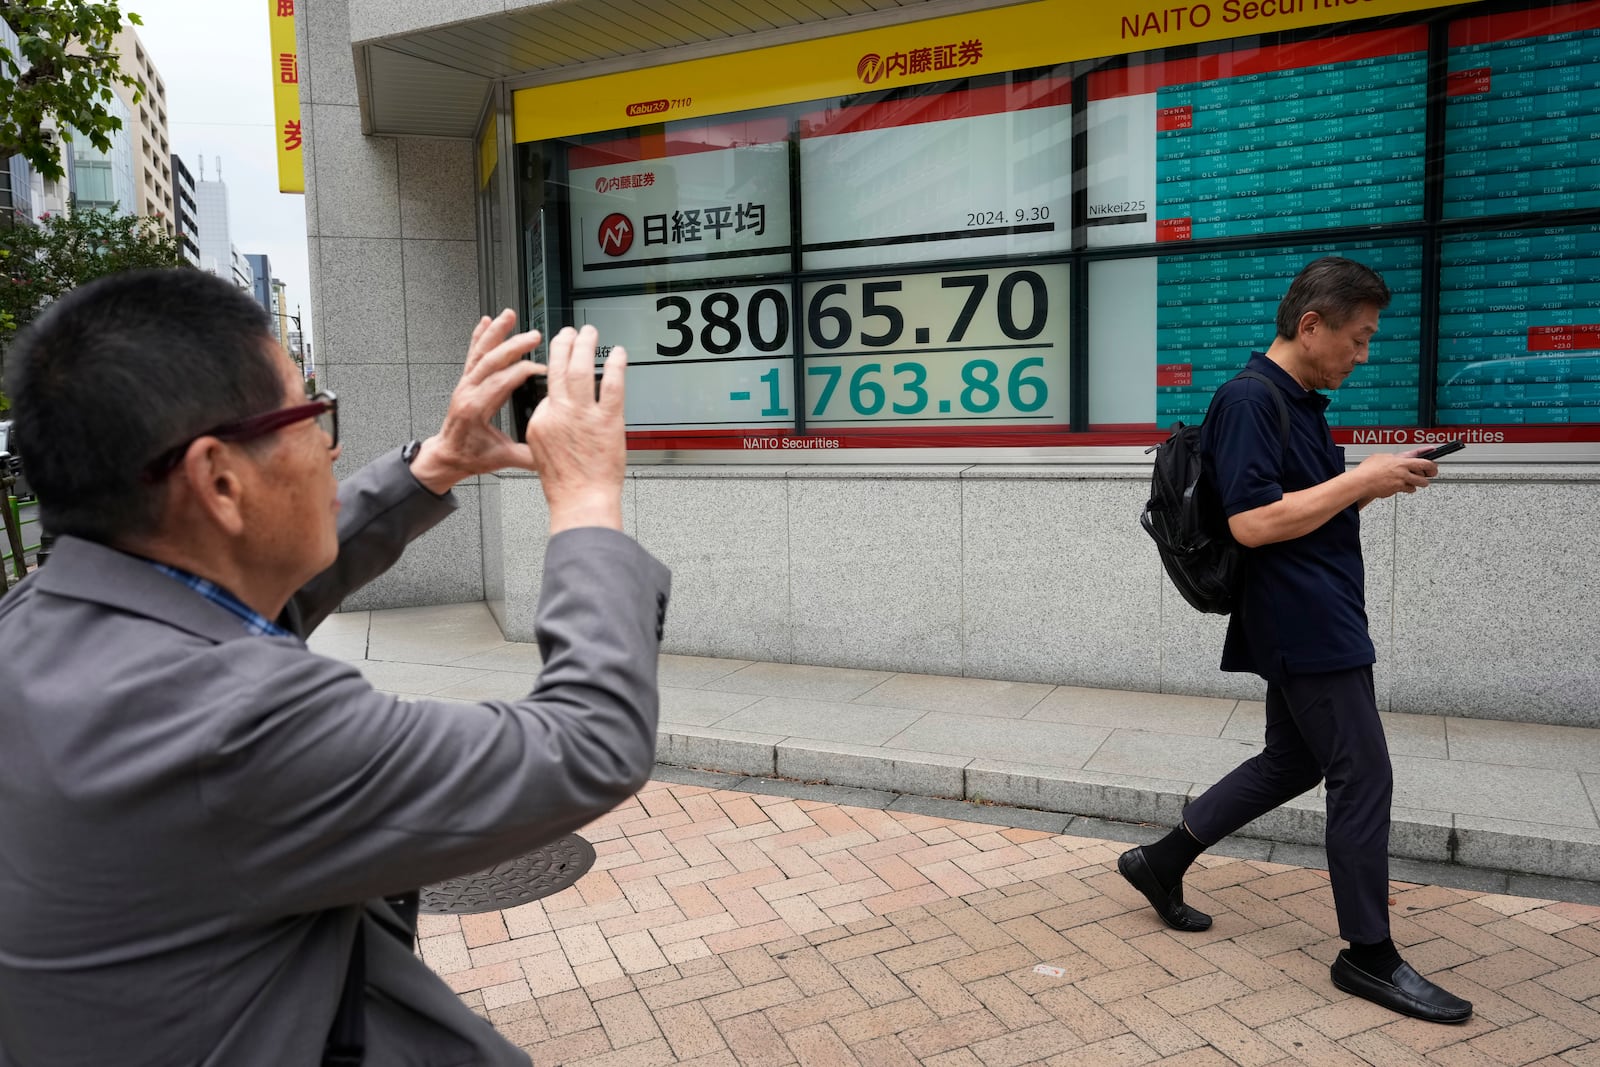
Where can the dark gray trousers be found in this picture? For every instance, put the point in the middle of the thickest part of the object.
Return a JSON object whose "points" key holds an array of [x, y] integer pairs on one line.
{"points": [[1320, 726]]}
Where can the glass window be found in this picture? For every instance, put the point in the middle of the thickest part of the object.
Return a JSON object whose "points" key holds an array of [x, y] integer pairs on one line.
{"points": [[1522, 118], [695, 200], [1519, 327], [744, 309], [983, 171], [1082, 253], [1212, 310], [1302, 136]]}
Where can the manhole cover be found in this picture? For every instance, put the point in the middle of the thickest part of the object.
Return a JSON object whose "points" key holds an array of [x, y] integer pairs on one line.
{"points": [[540, 873]]}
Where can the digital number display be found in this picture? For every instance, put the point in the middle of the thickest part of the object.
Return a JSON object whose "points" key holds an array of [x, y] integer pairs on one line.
{"points": [[1519, 327], [1522, 119], [702, 358], [964, 348], [1291, 137], [956, 348], [1212, 310]]}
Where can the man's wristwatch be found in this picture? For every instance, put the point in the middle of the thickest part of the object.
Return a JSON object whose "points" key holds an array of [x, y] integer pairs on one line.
{"points": [[409, 452]]}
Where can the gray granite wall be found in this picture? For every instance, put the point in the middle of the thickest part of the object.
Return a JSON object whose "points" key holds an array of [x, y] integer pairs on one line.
{"points": [[1482, 592], [394, 279]]}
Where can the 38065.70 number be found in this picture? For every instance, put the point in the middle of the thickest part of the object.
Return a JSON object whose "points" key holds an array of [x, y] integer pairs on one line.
{"points": [[832, 324]]}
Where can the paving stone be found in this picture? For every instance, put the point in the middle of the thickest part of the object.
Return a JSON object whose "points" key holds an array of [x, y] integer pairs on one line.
{"points": [[1125, 1050], [815, 1009], [727, 927], [820, 1047], [627, 1020], [956, 1031], [876, 983], [1527, 1041], [754, 1042], [572, 1047], [1026, 1046], [1238, 1042], [689, 1030], [888, 1051]]}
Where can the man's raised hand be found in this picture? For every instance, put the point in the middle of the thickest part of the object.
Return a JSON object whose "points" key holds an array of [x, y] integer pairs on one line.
{"points": [[469, 442], [578, 441]]}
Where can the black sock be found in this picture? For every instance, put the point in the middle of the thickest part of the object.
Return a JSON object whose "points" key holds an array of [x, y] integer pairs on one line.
{"points": [[1380, 959], [1171, 856]]}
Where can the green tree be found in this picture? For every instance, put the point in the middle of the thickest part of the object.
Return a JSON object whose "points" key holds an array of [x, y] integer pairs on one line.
{"points": [[39, 263], [65, 65]]}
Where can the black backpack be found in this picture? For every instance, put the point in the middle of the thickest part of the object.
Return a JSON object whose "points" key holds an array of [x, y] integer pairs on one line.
{"points": [[1185, 517]]}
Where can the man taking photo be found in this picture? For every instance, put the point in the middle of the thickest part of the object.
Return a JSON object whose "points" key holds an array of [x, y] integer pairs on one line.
{"points": [[199, 818]]}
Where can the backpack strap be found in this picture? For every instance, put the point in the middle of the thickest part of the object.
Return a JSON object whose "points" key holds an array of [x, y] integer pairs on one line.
{"points": [[1277, 398]]}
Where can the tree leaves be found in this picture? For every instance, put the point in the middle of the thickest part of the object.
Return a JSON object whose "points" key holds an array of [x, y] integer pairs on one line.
{"points": [[64, 64], [39, 263]]}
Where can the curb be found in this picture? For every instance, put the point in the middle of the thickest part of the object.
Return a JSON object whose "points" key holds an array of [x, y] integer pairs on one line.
{"points": [[1483, 849]]}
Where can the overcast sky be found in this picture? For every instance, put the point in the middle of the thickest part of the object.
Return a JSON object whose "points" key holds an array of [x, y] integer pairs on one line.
{"points": [[216, 60]]}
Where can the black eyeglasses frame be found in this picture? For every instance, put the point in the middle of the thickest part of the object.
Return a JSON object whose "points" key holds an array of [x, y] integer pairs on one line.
{"points": [[325, 402]]}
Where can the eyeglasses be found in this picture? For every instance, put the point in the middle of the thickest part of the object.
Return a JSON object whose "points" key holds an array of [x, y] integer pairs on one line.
{"points": [[324, 407]]}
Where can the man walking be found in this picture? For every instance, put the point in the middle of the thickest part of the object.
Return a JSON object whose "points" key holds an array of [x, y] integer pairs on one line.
{"points": [[199, 818], [1301, 624]]}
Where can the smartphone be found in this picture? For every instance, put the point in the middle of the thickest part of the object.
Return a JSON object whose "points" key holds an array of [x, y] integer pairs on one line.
{"points": [[527, 397], [539, 387], [1443, 450]]}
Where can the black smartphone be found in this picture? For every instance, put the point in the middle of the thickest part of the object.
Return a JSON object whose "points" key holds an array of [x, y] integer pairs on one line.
{"points": [[527, 397], [539, 387], [1442, 450]]}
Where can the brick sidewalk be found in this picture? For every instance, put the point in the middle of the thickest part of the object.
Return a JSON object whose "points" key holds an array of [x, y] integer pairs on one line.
{"points": [[723, 928]]}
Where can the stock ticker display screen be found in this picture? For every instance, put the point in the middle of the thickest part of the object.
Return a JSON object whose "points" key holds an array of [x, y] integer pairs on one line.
{"points": [[898, 270]]}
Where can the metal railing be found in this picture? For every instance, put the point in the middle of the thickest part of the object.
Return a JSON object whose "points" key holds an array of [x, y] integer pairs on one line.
{"points": [[14, 561]]}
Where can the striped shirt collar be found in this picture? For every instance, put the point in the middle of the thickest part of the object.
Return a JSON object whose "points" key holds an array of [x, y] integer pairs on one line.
{"points": [[255, 624]]}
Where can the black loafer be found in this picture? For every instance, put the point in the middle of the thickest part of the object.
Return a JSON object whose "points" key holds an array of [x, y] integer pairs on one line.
{"points": [[1169, 905], [1407, 992]]}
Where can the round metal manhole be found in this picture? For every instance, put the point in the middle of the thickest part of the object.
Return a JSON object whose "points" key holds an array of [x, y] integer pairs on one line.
{"points": [[541, 873]]}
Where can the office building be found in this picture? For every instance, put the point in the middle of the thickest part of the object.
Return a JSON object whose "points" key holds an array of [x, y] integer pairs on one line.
{"points": [[147, 132], [105, 180], [185, 210], [279, 310], [261, 287], [217, 252], [16, 175]]}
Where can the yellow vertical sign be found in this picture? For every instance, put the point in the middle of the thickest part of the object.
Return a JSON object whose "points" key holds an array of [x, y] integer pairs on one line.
{"points": [[286, 97]]}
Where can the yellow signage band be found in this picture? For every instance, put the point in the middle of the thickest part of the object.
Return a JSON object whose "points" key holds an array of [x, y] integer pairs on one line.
{"points": [[286, 129], [915, 53]]}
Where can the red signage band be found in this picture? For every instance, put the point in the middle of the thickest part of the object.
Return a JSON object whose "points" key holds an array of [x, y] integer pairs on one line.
{"points": [[1515, 25], [765, 439], [659, 144], [1136, 81], [956, 104]]}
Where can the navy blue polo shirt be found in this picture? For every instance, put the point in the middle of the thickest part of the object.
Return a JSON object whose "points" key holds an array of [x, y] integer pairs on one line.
{"points": [[1303, 606]]}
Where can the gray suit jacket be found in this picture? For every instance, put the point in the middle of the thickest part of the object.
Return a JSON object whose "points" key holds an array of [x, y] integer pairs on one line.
{"points": [[191, 818]]}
